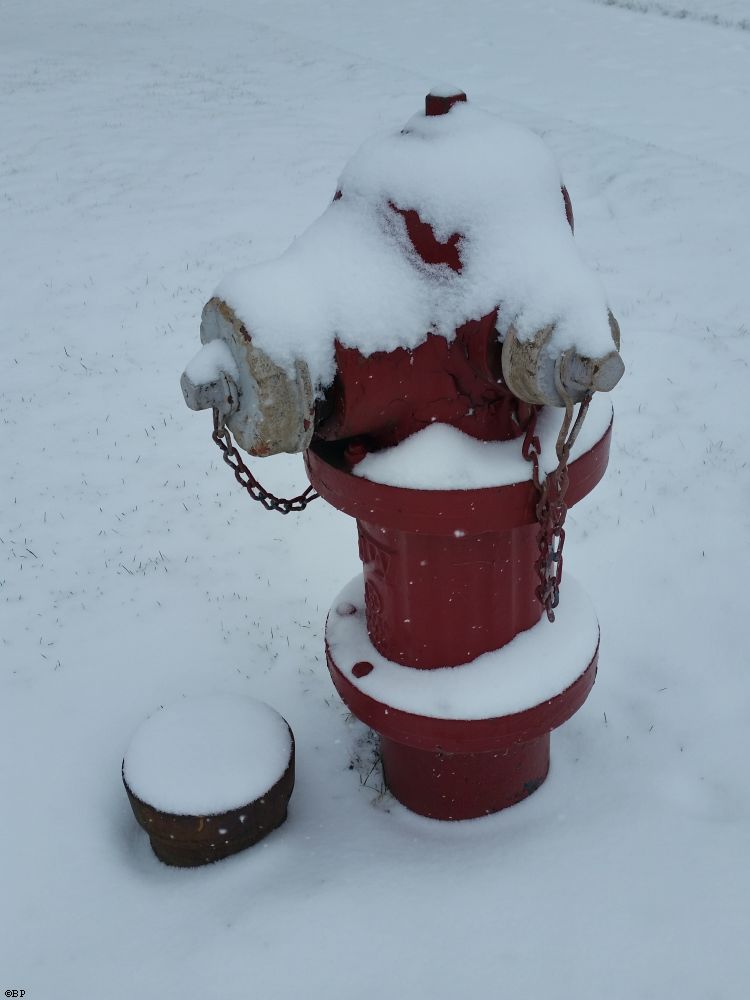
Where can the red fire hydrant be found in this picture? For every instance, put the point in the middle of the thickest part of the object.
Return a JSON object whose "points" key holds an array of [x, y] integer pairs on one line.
{"points": [[443, 647]]}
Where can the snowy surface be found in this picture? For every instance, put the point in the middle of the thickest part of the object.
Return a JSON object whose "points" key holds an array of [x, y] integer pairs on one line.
{"points": [[537, 665], [147, 149], [441, 457], [354, 276], [202, 756]]}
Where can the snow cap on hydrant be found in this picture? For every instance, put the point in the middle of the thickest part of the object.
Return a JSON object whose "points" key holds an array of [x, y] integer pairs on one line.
{"points": [[458, 218], [440, 299]]}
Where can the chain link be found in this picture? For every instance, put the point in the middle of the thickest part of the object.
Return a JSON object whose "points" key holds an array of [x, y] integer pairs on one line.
{"points": [[551, 508], [247, 480]]}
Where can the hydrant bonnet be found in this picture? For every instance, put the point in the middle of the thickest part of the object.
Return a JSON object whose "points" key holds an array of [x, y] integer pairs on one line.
{"points": [[456, 219]]}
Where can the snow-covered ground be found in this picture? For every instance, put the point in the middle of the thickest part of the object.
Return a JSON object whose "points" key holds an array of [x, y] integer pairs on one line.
{"points": [[147, 149]]}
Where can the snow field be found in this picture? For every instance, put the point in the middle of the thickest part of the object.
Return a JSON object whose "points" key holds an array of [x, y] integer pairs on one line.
{"points": [[148, 149]]}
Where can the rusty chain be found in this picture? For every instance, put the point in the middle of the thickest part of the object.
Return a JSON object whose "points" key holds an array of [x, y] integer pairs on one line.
{"points": [[551, 508], [247, 480]]}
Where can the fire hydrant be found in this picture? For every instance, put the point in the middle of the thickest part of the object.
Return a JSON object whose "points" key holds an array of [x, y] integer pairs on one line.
{"points": [[441, 289]]}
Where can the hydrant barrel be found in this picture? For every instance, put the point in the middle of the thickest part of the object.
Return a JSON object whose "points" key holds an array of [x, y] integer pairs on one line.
{"points": [[448, 576], [437, 600]]}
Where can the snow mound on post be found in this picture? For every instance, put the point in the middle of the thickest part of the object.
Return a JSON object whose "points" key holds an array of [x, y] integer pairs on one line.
{"points": [[355, 277], [204, 756]]}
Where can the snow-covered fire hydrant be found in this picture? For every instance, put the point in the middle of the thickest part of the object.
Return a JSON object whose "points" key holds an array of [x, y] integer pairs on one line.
{"points": [[425, 343]]}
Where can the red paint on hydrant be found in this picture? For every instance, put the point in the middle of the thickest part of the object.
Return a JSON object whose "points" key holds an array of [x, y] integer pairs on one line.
{"points": [[449, 574]]}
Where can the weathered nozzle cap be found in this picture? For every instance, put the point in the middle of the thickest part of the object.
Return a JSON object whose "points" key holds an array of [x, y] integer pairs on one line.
{"points": [[268, 409], [536, 374]]}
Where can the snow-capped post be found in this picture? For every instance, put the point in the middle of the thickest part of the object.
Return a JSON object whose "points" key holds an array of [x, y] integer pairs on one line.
{"points": [[209, 777], [426, 342]]}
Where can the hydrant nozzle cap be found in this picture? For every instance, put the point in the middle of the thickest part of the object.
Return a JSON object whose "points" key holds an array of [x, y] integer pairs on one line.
{"points": [[441, 99]]}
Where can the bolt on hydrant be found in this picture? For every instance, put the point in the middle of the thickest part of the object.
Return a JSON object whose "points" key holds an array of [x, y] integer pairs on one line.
{"points": [[432, 344]]}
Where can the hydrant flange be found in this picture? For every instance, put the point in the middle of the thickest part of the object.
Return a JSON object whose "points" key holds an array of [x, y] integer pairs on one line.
{"points": [[461, 768]]}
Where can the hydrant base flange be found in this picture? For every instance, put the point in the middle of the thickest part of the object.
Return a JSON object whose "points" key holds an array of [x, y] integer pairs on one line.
{"points": [[464, 785], [453, 767]]}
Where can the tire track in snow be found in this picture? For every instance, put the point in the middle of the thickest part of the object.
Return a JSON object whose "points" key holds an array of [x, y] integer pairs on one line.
{"points": [[507, 105], [677, 13]]}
